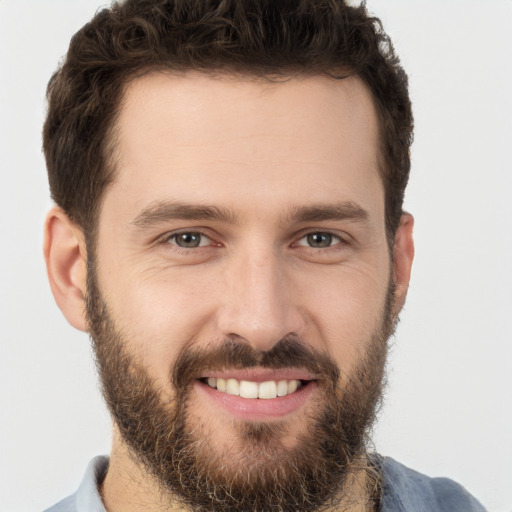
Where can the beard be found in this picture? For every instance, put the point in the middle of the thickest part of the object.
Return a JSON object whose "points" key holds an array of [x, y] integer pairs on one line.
{"points": [[257, 472]]}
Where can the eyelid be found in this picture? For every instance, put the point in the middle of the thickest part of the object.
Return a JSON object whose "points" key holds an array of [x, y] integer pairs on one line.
{"points": [[170, 238], [340, 239]]}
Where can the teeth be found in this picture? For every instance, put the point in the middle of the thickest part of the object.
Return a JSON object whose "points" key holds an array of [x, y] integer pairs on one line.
{"points": [[248, 389], [232, 387], [268, 390], [292, 386], [282, 388], [221, 384]]}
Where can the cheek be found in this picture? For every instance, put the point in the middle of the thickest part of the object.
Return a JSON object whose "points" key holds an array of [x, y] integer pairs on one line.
{"points": [[160, 314], [346, 310]]}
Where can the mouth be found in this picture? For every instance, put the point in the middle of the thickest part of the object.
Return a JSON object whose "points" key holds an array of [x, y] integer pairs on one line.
{"points": [[266, 390], [257, 395]]}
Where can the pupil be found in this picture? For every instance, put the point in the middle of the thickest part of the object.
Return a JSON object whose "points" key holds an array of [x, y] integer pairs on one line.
{"points": [[188, 240], [320, 240]]}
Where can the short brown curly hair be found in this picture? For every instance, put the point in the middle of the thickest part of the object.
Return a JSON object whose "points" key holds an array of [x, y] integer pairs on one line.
{"points": [[264, 38]]}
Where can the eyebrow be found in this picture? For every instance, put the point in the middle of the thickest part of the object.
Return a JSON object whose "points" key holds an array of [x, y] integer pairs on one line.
{"points": [[165, 211], [346, 210]]}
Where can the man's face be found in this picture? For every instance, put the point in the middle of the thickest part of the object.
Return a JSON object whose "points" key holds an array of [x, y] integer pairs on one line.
{"points": [[242, 250]]}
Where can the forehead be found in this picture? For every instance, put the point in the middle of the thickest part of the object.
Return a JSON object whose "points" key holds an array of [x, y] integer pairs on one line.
{"points": [[225, 138]]}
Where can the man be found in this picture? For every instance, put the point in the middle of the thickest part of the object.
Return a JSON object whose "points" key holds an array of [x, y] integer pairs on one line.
{"points": [[229, 179]]}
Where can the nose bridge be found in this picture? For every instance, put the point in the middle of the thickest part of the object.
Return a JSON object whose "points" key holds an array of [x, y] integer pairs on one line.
{"points": [[258, 306]]}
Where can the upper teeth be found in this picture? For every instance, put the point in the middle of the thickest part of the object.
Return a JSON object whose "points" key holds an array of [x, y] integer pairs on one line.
{"points": [[248, 389]]}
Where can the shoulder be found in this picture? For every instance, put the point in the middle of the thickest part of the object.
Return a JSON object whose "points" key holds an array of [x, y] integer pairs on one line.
{"points": [[65, 505], [87, 497], [404, 489]]}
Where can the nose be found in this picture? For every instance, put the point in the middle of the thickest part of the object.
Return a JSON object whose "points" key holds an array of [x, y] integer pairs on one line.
{"points": [[259, 305]]}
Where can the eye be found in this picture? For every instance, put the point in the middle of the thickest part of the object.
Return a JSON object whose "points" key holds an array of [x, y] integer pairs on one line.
{"points": [[189, 239], [319, 240]]}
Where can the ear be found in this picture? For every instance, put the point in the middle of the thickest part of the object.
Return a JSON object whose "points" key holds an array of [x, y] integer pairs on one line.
{"points": [[403, 254], [66, 265]]}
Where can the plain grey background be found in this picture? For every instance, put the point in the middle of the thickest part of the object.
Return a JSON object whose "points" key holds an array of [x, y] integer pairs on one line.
{"points": [[448, 404]]}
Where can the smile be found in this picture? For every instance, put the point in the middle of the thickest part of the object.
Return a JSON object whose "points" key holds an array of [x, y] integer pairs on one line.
{"points": [[249, 389], [257, 394]]}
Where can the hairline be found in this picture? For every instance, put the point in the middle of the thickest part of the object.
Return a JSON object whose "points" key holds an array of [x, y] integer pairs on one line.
{"points": [[110, 147]]}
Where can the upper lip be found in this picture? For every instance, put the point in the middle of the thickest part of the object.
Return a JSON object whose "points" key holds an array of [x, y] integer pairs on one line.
{"points": [[260, 374]]}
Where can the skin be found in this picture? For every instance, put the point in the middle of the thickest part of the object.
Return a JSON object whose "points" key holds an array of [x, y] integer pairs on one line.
{"points": [[260, 152]]}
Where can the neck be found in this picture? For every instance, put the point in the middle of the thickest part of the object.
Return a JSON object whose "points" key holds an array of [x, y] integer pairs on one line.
{"points": [[128, 487]]}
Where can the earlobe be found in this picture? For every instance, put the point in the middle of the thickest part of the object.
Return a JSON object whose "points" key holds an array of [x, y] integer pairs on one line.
{"points": [[66, 265], [403, 255]]}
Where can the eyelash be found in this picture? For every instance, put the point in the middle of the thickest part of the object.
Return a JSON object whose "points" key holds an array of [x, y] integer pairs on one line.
{"points": [[172, 240], [338, 240], [335, 240]]}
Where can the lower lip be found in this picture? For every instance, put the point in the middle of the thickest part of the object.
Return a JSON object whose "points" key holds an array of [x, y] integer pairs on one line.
{"points": [[258, 409]]}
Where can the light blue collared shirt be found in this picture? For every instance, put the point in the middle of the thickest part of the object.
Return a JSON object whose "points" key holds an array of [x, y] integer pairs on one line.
{"points": [[403, 490]]}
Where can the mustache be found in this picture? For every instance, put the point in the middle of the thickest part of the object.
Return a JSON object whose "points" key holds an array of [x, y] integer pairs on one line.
{"points": [[236, 354]]}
